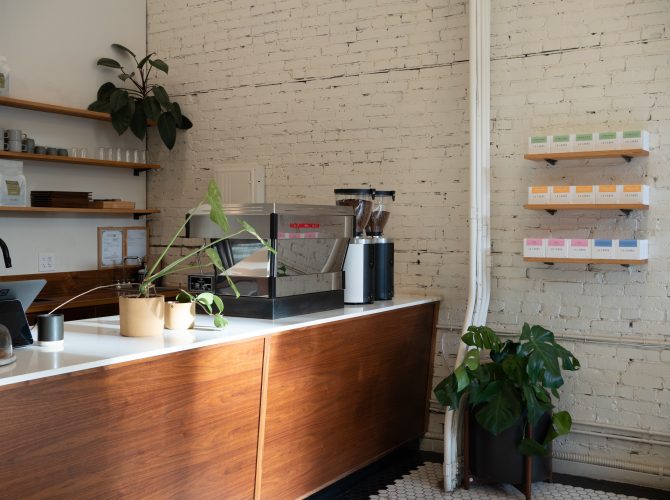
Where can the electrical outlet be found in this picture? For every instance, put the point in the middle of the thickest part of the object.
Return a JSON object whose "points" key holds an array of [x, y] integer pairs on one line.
{"points": [[46, 262]]}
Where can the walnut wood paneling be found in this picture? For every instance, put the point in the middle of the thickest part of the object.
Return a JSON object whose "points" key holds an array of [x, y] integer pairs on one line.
{"points": [[342, 394], [184, 425]]}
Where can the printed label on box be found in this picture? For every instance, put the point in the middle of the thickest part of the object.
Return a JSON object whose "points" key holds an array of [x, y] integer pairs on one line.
{"points": [[607, 140], [635, 139], [561, 194], [556, 248], [561, 143], [607, 194], [579, 249], [585, 195], [584, 142], [538, 195], [534, 247], [634, 193], [632, 249], [539, 144], [603, 249]]}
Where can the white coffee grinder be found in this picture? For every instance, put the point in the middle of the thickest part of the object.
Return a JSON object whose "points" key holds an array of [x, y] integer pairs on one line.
{"points": [[383, 247], [359, 273]]}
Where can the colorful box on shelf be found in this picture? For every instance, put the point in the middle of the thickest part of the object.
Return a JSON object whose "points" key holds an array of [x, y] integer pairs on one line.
{"points": [[607, 194], [538, 195], [634, 193], [632, 249], [557, 248], [603, 249], [608, 140], [579, 249], [534, 247], [584, 142], [561, 195], [635, 139], [584, 195], [539, 144], [562, 143]]}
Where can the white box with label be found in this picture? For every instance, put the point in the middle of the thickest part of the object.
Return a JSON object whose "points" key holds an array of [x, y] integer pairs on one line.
{"points": [[562, 143], [538, 195], [634, 193], [603, 249], [632, 249], [608, 140], [539, 144], [584, 195], [561, 195], [534, 247], [557, 248], [607, 194], [635, 139], [584, 142], [579, 249]]}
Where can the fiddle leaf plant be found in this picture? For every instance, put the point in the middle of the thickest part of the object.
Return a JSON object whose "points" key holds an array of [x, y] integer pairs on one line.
{"points": [[521, 376], [141, 102]]}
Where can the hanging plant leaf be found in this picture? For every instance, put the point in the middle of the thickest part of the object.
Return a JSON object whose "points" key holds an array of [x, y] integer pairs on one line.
{"points": [[176, 111], [532, 448], [158, 64], [185, 123], [105, 91], [118, 46], [138, 123], [118, 99], [101, 106], [161, 96], [152, 109], [109, 63], [144, 60], [167, 129], [121, 119]]}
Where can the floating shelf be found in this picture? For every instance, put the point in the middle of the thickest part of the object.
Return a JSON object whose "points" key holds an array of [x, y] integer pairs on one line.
{"points": [[52, 108], [552, 158], [135, 212], [550, 260], [136, 167], [552, 209]]}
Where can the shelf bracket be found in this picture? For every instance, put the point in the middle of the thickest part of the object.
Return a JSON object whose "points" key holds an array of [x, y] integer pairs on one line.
{"points": [[137, 216], [548, 263], [550, 211], [626, 211], [624, 265], [627, 158], [550, 161], [136, 171]]}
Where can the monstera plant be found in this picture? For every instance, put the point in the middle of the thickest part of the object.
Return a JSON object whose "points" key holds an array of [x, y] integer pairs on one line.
{"points": [[515, 386], [141, 102]]}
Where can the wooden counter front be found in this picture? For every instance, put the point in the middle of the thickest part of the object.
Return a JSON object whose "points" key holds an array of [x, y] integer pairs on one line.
{"points": [[184, 425], [340, 395]]}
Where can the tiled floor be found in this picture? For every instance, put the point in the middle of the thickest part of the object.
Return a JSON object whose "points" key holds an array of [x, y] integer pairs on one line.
{"points": [[426, 483]]}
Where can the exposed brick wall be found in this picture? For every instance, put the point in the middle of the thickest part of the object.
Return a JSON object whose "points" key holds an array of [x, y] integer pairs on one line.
{"points": [[327, 93]]}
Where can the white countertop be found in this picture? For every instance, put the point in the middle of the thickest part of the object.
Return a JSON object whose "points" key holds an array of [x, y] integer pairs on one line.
{"points": [[96, 342]]}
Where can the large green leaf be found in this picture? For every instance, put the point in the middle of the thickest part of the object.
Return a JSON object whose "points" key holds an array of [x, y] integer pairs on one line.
{"points": [[446, 393], [481, 337], [185, 123], [561, 423], [109, 63], [534, 407], [176, 111], [105, 91], [101, 106], [218, 303], [160, 65], [216, 213], [532, 448], [138, 123], [121, 119], [502, 411], [541, 352], [514, 368], [161, 96], [471, 360], [551, 381], [167, 129], [152, 109], [214, 258], [118, 46], [482, 392], [462, 378], [118, 99], [508, 348], [144, 60]]}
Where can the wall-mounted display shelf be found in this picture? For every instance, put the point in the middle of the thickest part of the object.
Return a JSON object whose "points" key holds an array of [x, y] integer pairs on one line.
{"points": [[552, 260], [136, 167], [135, 212], [53, 108], [552, 158], [552, 209]]}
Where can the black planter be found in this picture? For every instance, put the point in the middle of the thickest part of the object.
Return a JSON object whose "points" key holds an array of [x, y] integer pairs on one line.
{"points": [[496, 459]]}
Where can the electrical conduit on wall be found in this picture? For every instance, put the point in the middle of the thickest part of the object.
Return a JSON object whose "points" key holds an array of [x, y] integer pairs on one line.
{"points": [[480, 246]]}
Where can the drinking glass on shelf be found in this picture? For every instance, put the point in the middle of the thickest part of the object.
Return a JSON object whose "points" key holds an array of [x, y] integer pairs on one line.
{"points": [[101, 153], [119, 154], [128, 155], [73, 152], [140, 156], [83, 153], [110, 153]]}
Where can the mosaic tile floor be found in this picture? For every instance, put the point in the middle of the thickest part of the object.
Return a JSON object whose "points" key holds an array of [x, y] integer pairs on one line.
{"points": [[425, 483]]}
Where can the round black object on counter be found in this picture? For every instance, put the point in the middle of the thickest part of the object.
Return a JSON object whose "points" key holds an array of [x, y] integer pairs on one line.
{"points": [[50, 327]]}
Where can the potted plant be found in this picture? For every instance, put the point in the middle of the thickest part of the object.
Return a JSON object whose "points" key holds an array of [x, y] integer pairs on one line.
{"points": [[143, 313], [180, 313], [143, 102], [506, 395]]}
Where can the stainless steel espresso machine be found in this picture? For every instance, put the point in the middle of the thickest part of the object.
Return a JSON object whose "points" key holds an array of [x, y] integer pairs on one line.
{"points": [[305, 273]]}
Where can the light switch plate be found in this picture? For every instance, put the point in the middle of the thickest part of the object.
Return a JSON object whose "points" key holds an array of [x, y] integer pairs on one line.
{"points": [[46, 262]]}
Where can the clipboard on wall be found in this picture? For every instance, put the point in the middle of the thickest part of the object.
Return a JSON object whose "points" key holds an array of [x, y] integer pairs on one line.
{"points": [[116, 243]]}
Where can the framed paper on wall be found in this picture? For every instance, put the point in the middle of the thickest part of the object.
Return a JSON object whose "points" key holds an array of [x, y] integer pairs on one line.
{"points": [[117, 243]]}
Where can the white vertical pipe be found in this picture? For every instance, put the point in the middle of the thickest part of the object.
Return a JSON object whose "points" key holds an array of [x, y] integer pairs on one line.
{"points": [[480, 193]]}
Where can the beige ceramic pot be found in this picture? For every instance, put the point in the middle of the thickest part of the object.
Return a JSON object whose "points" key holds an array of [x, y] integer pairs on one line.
{"points": [[142, 317], [179, 315]]}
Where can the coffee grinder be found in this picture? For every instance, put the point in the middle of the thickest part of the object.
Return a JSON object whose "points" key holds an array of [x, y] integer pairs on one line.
{"points": [[383, 247], [359, 277]]}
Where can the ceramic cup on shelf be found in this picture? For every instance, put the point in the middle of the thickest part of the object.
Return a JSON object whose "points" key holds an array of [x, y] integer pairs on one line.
{"points": [[40, 150], [52, 151], [62, 152], [30, 145], [15, 146], [15, 134]]}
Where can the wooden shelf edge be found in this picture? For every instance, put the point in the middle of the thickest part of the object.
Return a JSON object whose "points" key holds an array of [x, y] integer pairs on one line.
{"points": [[67, 210], [53, 108], [11, 155], [587, 261], [586, 155], [576, 206]]}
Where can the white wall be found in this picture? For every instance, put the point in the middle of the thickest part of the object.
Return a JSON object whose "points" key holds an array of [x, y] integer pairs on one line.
{"points": [[52, 48]]}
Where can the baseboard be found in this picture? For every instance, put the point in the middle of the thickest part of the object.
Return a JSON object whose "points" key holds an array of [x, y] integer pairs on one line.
{"points": [[612, 474]]}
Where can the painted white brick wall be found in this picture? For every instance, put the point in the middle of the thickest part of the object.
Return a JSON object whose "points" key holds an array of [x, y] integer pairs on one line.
{"points": [[329, 94]]}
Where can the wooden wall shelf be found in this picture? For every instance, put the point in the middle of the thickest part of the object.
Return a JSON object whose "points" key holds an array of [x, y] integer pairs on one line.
{"points": [[550, 260], [136, 167], [52, 108], [136, 213], [552, 209], [552, 158]]}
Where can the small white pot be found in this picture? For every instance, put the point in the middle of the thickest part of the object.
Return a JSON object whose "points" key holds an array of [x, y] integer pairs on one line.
{"points": [[179, 315]]}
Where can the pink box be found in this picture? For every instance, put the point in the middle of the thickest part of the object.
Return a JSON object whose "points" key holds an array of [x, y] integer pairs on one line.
{"points": [[557, 248], [534, 247], [579, 249]]}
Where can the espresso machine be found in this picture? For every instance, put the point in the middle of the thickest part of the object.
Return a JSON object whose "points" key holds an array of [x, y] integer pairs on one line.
{"points": [[383, 247], [359, 278], [303, 274]]}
